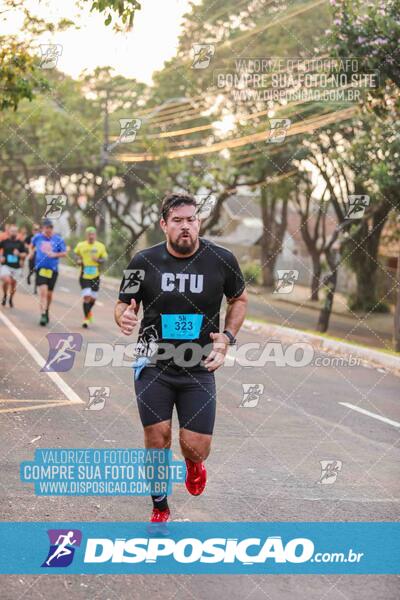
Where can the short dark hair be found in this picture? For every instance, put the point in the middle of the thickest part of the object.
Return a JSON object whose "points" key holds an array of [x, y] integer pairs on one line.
{"points": [[173, 199]]}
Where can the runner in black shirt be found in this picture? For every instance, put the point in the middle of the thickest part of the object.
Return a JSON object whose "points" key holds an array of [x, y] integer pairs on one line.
{"points": [[181, 284], [12, 253], [31, 259]]}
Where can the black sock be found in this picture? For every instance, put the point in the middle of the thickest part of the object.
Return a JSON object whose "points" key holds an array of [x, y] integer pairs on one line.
{"points": [[86, 308], [160, 502]]}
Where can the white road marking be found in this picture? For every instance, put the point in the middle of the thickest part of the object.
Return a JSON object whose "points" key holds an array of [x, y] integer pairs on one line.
{"points": [[36, 406], [64, 289], [99, 303], [2, 400], [371, 414], [72, 396]]}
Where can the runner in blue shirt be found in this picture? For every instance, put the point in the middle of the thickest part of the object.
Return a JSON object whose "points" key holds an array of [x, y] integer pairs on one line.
{"points": [[49, 248]]}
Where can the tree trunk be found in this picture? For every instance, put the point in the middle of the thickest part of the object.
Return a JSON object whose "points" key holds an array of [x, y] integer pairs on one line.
{"points": [[273, 232], [329, 287], [268, 269], [316, 277], [364, 260]]}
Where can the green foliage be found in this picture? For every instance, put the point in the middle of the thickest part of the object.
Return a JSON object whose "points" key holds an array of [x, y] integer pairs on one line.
{"points": [[20, 74], [371, 31], [18, 77], [121, 11], [359, 305], [252, 273]]}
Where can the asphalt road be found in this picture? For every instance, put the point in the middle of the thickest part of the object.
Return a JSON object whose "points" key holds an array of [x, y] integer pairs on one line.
{"points": [[264, 465]]}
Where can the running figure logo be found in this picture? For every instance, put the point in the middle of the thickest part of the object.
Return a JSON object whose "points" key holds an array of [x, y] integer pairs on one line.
{"points": [[203, 54], [357, 206], [286, 280], [251, 394], [97, 397], [54, 205], [63, 543], [147, 342], [132, 280], [329, 471], [62, 349], [278, 130], [205, 205], [50, 54]]}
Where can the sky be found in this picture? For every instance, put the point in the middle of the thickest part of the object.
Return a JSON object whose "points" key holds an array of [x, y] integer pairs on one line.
{"points": [[135, 54]]}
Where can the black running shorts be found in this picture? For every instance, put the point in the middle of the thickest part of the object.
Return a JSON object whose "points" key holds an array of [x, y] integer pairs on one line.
{"points": [[46, 277], [92, 284], [159, 388]]}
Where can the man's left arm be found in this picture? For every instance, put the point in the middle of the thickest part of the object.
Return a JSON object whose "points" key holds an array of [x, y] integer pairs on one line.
{"points": [[61, 250], [236, 297], [102, 256], [236, 313]]}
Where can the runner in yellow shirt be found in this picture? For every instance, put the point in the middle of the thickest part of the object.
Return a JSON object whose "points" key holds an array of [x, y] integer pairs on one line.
{"points": [[90, 255]]}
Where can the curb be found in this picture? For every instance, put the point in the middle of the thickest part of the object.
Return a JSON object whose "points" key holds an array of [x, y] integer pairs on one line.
{"points": [[366, 355], [290, 335]]}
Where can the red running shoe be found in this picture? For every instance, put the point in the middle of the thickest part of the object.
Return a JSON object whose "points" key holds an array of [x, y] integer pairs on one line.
{"points": [[196, 477], [160, 516]]}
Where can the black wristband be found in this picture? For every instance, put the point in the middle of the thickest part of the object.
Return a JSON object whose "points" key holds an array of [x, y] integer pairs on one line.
{"points": [[232, 339]]}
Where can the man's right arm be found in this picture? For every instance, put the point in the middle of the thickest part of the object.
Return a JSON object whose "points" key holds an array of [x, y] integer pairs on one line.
{"points": [[127, 306], [126, 316]]}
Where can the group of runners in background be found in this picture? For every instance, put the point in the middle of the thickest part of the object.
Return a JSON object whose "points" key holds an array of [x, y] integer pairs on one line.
{"points": [[42, 249]]}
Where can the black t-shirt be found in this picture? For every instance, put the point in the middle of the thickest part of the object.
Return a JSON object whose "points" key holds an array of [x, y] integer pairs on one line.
{"points": [[181, 297], [8, 246]]}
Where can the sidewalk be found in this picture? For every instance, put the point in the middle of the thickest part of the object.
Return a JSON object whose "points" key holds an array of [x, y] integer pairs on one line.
{"points": [[299, 311]]}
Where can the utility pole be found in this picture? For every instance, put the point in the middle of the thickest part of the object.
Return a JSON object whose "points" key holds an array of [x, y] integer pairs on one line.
{"points": [[104, 161]]}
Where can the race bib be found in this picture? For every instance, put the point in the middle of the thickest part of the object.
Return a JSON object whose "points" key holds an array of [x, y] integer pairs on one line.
{"points": [[181, 327], [12, 259], [89, 270], [45, 273]]}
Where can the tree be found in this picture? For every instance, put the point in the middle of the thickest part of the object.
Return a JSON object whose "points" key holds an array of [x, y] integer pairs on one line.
{"points": [[313, 214], [20, 74]]}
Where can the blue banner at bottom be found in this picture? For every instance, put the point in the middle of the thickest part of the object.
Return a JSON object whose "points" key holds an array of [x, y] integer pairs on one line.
{"points": [[213, 548]]}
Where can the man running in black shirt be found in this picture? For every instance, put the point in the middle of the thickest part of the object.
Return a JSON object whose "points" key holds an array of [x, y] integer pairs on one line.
{"points": [[181, 284], [31, 259], [12, 253]]}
